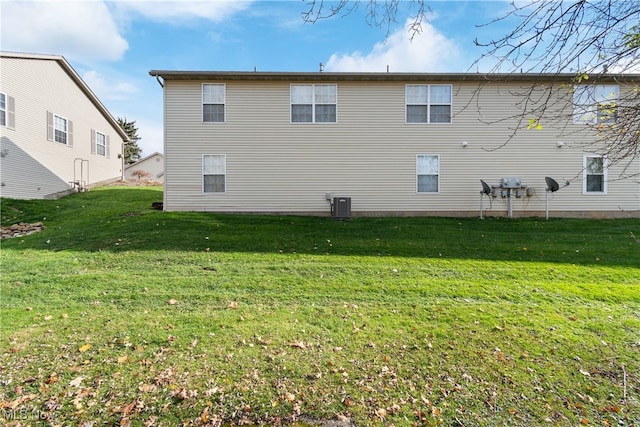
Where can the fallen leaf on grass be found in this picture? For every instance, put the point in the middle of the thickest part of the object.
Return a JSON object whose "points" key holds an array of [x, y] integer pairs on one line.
{"points": [[585, 373], [233, 304], [298, 344], [381, 412], [147, 388], [172, 302], [76, 382], [84, 347]]}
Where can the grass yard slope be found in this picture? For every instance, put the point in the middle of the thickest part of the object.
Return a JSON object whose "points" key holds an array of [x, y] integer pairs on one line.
{"points": [[117, 314]]}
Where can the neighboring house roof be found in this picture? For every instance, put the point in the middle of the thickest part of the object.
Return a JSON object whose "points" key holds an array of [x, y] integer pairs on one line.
{"points": [[76, 79], [347, 76], [144, 159], [156, 169]]}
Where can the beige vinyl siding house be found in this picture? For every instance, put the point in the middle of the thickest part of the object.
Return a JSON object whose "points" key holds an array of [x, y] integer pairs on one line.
{"points": [[395, 144], [58, 136]]}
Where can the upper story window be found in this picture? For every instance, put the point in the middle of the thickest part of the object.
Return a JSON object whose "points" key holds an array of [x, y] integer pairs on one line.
{"points": [[213, 102], [595, 104], [314, 103], [595, 174], [7, 111], [428, 103], [59, 129], [99, 143], [428, 173]]}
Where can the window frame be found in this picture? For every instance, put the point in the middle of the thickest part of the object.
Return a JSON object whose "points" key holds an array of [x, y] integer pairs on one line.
{"points": [[224, 174], [4, 110], [224, 103], [314, 102], [428, 103], [589, 100], [104, 145], [586, 174], [418, 174], [56, 130]]}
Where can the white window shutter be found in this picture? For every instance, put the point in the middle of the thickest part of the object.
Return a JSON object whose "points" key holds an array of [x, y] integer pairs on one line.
{"points": [[49, 126], [106, 148], [11, 112], [93, 141], [69, 133]]}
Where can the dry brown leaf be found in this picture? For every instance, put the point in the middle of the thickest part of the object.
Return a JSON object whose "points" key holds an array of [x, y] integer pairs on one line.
{"points": [[147, 388], [76, 382], [233, 304]]}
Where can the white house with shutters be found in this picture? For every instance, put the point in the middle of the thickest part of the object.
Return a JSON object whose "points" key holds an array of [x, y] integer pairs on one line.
{"points": [[356, 144], [56, 135]]}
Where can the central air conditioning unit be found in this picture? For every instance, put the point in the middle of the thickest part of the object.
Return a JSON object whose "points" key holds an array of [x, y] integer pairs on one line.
{"points": [[341, 207]]}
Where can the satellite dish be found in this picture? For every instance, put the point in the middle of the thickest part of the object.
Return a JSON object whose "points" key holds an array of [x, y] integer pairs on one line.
{"points": [[485, 188], [552, 187], [552, 184]]}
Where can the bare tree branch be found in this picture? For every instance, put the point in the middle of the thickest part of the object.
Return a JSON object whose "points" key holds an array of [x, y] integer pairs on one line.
{"points": [[378, 13], [597, 41]]}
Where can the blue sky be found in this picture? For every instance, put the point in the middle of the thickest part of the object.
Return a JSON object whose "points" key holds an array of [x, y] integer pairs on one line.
{"points": [[114, 44]]}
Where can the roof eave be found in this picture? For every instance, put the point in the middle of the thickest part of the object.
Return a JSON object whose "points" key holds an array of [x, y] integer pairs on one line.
{"points": [[405, 77], [77, 80]]}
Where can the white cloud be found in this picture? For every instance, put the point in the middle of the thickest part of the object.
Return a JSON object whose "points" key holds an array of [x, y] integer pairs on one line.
{"points": [[75, 29], [429, 51], [179, 11], [108, 90]]}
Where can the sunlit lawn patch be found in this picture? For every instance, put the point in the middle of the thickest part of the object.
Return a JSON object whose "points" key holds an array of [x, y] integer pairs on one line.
{"points": [[117, 313]]}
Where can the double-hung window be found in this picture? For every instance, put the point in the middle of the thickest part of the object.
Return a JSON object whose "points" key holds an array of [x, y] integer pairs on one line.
{"points": [[99, 143], [3, 109], [594, 174], [314, 103], [428, 173], [214, 171], [7, 111], [595, 104], [213, 102], [428, 103], [59, 129]]}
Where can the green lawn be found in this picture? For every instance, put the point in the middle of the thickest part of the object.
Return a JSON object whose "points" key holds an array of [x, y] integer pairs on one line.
{"points": [[119, 314]]}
